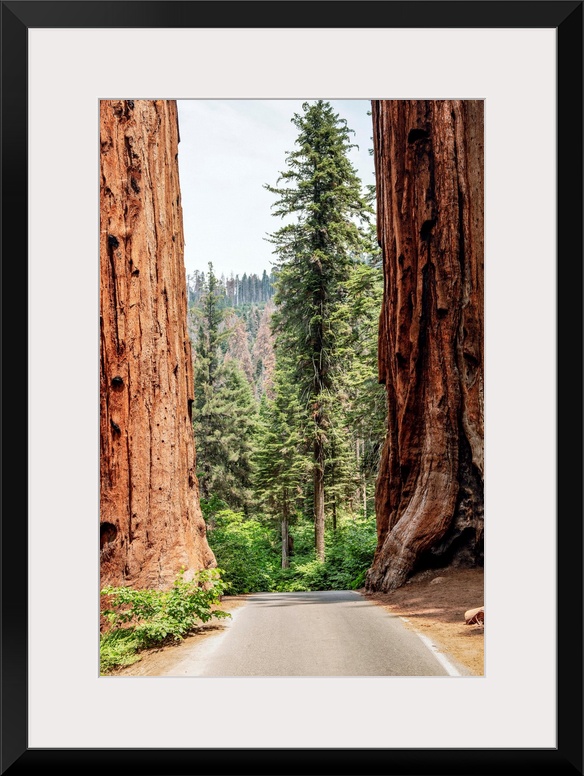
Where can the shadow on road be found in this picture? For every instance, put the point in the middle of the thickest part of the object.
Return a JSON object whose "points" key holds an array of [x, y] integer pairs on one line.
{"points": [[312, 597]]}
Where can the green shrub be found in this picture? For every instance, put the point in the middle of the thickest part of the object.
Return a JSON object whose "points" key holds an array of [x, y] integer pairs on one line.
{"points": [[210, 507], [247, 551], [348, 555], [142, 618], [119, 647]]}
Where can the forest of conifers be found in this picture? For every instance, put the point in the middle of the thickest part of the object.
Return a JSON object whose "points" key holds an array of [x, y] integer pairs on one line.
{"points": [[289, 417]]}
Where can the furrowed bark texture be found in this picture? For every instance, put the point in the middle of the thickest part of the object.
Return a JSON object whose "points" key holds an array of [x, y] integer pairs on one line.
{"points": [[429, 493], [151, 521]]}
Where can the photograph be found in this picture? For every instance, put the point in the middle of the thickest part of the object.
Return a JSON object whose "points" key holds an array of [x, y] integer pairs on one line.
{"points": [[291, 388], [303, 304]]}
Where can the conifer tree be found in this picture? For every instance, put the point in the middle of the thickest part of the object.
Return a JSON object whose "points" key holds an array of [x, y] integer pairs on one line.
{"points": [[224, 414], [362, 404], [230, 438], [280, 466], [322, 199]]}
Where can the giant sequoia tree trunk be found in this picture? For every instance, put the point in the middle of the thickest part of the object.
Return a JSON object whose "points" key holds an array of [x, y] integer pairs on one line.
{"points": [[429, 494], [151, 522]]}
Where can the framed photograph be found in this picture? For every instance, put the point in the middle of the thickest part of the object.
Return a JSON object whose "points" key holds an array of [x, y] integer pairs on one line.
{"points": [[524, 60]]}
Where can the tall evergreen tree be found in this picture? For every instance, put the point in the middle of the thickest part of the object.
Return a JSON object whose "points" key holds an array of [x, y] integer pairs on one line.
{"points": [[322, 197], [280, 465], [362, 407], [206, 363], [224, 414], [230, 440]]}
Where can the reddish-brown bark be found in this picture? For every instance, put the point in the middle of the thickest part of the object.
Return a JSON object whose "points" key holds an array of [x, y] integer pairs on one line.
{"points": [[429, 177], [151, 522]]}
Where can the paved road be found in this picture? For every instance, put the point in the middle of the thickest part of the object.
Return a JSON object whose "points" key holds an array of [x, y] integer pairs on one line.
{"points": [[332, 633]]}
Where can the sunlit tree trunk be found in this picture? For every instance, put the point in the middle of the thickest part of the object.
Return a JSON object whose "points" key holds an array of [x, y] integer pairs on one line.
{"points": [[151, 522]]}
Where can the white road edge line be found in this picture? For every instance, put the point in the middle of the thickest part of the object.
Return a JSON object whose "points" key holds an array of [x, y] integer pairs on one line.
{"points": [[444, 662]]}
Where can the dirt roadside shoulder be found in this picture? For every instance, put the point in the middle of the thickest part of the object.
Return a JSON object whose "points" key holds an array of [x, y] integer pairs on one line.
{"points": [[433, 604], [155, 661]]}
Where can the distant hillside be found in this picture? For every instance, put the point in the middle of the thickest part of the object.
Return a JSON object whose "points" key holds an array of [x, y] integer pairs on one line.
{"points": [[246, 306]]}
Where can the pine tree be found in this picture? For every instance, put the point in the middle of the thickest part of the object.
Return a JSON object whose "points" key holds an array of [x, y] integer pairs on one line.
{"points": [[316, 250], [206, 363], [225, 412], [280, 466], [362, 404], [233, 431]]}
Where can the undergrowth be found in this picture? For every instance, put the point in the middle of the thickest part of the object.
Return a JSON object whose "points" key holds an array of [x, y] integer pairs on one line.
{"points": [[249, 552], [138, 619]]}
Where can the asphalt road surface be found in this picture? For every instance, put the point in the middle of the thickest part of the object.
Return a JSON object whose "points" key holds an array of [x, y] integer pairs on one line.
{"points": [[331, 633]]}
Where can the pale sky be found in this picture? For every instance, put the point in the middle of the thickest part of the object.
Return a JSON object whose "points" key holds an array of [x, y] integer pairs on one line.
{"points": [[228, 149]]}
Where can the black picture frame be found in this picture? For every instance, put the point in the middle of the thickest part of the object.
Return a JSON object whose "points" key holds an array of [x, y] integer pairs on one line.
{"points": [[17, 17]]}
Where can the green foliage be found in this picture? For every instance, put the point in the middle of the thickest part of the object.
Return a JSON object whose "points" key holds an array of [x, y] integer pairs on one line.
{"points": [[234, 291], [248, 551], [349, 553], [224, 412], [317, 251], [142, 618], [362, 400], [281, 464], [307, 440], [210, 506], [118, 648], [225, 436]]}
